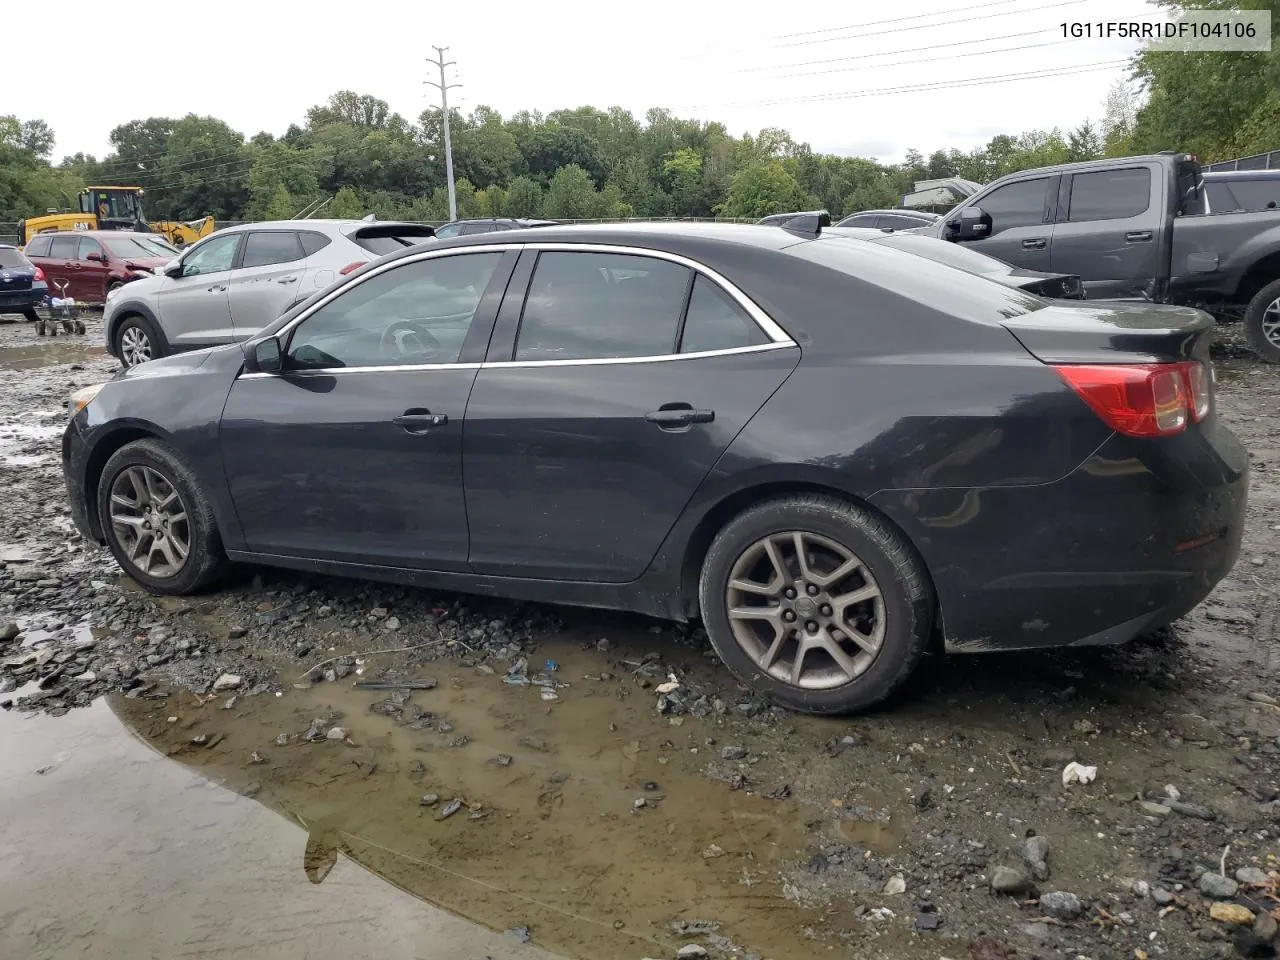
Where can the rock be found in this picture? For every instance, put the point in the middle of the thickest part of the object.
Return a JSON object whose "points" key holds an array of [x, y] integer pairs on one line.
{"points": [[379, 613], [691, 952], [1151, 808], [712, 852], [1217, 886], [1161, 896], [393, 623], [1140, 888], [1252, 876], [1265, 927], [897, 884], [733, 753], [228, 681], [1264, 698], [26, 573], [450, 808], [1009, 880], [237, 633], [9, 632], [1231, 913], [1035, 851], [429, 800], [503, 760], [928, 921], [1061, 905], [336, 733], [1189, 809]]}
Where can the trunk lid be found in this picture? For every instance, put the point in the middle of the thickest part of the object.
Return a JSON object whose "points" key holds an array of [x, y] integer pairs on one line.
{"points": [[1098, 331]]}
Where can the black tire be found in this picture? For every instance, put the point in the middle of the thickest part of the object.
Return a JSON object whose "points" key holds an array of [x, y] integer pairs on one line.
{"points": [[1254, 314], [205, 560], [30, 315], [906, 593], [140, 323]]}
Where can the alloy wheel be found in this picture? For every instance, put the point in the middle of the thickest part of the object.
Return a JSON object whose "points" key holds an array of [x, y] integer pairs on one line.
{"points": [[150, 521], [806, 609], [1271, 322], [135, 346]]}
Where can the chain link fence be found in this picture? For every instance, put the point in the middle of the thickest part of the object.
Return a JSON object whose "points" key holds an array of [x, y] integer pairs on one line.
{"points": [[1259, 161]]}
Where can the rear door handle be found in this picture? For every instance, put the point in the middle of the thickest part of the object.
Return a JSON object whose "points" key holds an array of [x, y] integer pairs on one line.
{"points": [[679, 415], [420, 420], [1036, 244], [1138, 236]]}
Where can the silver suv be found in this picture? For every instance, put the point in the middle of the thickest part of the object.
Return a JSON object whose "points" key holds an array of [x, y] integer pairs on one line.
{"points": [[236, 281]]}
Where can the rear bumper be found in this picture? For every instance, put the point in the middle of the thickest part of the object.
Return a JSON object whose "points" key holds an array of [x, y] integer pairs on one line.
{"points": [[1134, 538], [22, 299]]}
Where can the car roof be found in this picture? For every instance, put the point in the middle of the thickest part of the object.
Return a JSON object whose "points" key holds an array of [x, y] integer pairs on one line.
{"points": [[102, 233], [923, 214], [643, 234]]}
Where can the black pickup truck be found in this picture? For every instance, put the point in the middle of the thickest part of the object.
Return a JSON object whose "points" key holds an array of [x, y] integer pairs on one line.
{"points": [[1132, 228]]}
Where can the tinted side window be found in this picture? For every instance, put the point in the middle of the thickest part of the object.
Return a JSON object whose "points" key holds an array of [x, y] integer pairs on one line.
{"points": [[593, 306], [276, 246], [1253, 195], [473, 228], [64, 247], [448, 230], [1220, 198], [1110, 194], [10, 257], [416, 313], [865, 220], [87, 247], [313, 242], [898, 223], [715, 321], [1016, 204], [212, 256], [38, 247]]}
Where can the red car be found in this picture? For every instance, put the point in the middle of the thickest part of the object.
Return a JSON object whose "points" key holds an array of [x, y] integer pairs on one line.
{"points": [[93, 262]]}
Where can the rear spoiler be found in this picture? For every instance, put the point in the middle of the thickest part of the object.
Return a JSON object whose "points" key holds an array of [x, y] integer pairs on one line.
{"points": [[391, 228]]}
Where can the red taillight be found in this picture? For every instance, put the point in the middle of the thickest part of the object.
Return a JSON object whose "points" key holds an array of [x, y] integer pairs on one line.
{"points": [[355, 265], [39, 275], [1146, 399]]}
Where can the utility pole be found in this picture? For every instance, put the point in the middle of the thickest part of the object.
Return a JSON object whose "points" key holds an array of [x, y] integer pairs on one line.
{"points": [[444, 89]]}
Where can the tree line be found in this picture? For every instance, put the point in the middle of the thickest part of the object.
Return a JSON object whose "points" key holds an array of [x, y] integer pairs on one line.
{"points": [[589, 163]]}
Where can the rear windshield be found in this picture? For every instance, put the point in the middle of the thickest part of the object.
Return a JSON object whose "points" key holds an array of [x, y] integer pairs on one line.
{"points": [[9, 257], [943, 251], [935, 285], [384, 240]]}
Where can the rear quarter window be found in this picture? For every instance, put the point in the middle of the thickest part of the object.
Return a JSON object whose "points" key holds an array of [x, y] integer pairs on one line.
{"points": [[927, 282], [38, 247]]}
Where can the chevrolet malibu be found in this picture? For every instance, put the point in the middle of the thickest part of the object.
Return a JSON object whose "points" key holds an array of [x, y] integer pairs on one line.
{"points": [[833, 453]]}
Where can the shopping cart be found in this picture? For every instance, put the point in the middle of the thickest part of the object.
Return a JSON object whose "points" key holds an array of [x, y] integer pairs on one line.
{"points": [[61, 311]]}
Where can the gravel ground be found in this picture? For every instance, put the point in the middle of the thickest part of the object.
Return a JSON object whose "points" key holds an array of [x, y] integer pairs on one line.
{"points": [[937, 827]]}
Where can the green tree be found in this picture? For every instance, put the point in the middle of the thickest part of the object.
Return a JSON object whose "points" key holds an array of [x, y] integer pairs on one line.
{"points": [[524, 198], [763, 189], [685, 183], [571, 195], [346, 205]]}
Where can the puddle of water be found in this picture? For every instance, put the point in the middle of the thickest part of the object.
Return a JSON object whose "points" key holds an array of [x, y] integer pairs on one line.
{"points": [[48, 353], [551, 838], [113, 851]]}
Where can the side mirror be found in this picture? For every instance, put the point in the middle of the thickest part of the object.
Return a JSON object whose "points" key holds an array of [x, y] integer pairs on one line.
{"points": [[173, 268], [97, 257], [972, 223], [265, 357]]}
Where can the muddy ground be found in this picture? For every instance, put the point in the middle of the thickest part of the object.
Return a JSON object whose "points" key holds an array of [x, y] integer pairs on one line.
{"points": [[520, 768]]}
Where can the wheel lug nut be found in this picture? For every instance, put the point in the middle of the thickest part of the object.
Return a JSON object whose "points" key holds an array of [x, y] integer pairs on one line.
{"points": [[811, 626], [826, 609], [789, 616], [811, 590], [790, 593]]}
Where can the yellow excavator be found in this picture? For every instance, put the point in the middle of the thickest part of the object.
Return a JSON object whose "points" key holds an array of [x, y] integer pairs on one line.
{"points": [[114, 208]]}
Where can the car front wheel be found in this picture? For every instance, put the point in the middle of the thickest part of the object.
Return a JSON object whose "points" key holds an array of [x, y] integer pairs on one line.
{"points": [[136, 341], [157, 522], [817, 603], [1262, 322]]}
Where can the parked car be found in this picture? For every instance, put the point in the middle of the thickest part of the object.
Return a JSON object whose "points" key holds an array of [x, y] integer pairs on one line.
{"points": [[22, 283], [889, 219], [467, 228], [92, 263], [235, 281], [819, 217], [1233, 191], [1128, 228], [831, 452]]}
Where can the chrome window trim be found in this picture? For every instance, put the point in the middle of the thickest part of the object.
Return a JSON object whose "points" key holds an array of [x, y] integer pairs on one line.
{"points": [[777, 336]]}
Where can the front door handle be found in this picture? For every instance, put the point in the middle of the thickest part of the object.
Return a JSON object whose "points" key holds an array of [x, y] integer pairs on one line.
{"points": [[1036, 244], [218, 289], [420, 420], [1138, 236], [671, 415], [287, 280]]}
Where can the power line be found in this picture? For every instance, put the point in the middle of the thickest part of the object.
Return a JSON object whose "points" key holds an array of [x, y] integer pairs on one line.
{"points": [[444, 87], [877, 23], [920, 87]]}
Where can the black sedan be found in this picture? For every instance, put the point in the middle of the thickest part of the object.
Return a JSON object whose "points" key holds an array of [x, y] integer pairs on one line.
{"points": [[831, 451]]}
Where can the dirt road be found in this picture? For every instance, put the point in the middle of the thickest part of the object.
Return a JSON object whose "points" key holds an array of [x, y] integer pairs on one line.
{"points": [[606, 820]]}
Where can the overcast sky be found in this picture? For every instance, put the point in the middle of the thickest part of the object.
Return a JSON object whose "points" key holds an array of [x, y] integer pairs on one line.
{"points": [[830, 72]]}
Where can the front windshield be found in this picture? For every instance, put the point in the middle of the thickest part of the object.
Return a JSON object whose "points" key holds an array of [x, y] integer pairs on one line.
{"points": [[141, 247]]}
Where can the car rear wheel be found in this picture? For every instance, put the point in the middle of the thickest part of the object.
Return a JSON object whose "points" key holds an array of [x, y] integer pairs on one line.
{"points": [[158, 523], [817, 603], [136, 341], [1262, 322]]}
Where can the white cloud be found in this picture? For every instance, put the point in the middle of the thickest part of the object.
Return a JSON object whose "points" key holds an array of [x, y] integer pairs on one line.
{"points": [[259, 65]]}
